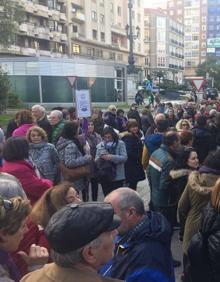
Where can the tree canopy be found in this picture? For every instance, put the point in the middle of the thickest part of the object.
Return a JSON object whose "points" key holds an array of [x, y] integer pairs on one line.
{"points": [[4, 90], [211, 67], [11, 15]]}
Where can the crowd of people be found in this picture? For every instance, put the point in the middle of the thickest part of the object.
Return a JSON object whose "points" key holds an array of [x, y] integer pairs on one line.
{"points": [[51, 163]]}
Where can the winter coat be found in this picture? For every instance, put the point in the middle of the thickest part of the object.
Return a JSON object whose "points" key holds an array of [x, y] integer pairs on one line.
{"points": [[151, 144], [192, 202], [8, 270], [93, 140], [47, 127], [144, 253], [118, 158], [45, 157], [202, 142], [33, 186], [54, 273], [70, 155], [162, 192], [11, 126], [133, 168], [110, 119], [204, 249], [180, 179], [22, 130], [56, 131]]}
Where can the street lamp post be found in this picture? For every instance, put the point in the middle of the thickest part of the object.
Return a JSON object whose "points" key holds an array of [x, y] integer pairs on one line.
{"points": [[131, 37]]}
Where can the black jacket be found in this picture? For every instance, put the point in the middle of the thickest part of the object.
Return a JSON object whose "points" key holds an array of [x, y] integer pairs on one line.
{"points": [[45, 124], [133, 168], [202, 142], [204, 249]]}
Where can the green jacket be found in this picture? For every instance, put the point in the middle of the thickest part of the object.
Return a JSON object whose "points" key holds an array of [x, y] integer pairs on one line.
{"points": [[56, 130]]}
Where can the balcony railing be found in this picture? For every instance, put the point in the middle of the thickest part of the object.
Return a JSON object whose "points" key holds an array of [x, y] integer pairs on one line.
{"points": [[78, 16]]}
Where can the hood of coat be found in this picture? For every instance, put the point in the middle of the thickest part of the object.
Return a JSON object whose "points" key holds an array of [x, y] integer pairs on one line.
{"points": [[62, 143], [152, 227], [153, 142], [202, 183], [179, 173]]}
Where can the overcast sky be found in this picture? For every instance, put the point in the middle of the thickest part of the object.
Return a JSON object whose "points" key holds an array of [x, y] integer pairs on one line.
{"points": [[155, 3]]}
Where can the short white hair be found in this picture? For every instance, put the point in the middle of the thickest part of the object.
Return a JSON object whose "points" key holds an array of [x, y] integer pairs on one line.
{"points": [[57, 113], [39, 107], [10, 187]]}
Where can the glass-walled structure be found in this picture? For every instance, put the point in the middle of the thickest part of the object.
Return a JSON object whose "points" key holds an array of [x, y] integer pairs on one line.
{"points": [[43, 80]]}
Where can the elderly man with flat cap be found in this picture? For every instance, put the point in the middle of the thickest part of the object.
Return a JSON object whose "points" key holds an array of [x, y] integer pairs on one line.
{"points": [[81, 237]]}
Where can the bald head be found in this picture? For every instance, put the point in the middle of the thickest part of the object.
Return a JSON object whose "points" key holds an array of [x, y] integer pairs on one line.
{"points": [[128, 205]]}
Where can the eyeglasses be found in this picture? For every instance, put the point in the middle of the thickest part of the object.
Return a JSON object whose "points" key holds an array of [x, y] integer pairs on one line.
{"points": [[7, 204]]}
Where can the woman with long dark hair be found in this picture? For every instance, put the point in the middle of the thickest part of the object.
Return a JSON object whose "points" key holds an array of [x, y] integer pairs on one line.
{"points": [[71, 154], [113, 151]]}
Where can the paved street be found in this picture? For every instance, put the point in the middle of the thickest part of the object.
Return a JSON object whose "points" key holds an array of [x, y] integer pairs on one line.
{"points": [[143, 189]]}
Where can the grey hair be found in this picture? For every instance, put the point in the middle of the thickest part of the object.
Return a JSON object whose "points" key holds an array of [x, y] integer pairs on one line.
{"points": [[39, 107], [74, 257], [57, 113], [10, 187], [131, 198]]}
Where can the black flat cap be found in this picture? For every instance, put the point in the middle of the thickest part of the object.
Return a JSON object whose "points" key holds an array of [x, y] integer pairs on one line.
{"points": [[76, 225]]}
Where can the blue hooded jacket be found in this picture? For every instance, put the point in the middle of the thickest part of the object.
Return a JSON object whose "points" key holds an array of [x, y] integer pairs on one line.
{"points": [[153, 142], [144, 253]]}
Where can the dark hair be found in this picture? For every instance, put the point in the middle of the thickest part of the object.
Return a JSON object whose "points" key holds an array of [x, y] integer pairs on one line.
{"points": [[201, 121], [110, 130], [70, 130], [15, 149], [170, 137], [72, 110], [132, 123], [185, 137], [162, 125], [213, 160], [184, 156], [119, 111]]}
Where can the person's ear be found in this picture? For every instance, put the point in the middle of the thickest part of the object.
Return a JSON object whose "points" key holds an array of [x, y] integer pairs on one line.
{"points": [[88, 255], [132, 211]]}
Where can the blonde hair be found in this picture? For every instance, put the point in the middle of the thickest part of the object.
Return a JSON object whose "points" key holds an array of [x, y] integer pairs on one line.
{"points": [[215, 196], [39, 130], [12, 217], [51, 201]]}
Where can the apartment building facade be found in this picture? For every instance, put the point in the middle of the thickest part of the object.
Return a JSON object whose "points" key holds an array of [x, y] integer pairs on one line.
{"points": [[94, 29], [193, 13], [43, 31], [98, 29], [213, 28], [164, 45]]}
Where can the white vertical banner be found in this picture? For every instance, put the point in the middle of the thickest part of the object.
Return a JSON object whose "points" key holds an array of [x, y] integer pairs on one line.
{"points": [[83, 103]]}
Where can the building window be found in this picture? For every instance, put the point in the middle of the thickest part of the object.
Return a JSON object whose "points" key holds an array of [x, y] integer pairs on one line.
{"points": [[102, 36], [119, 57], [94, 16], [94, 34], [119, 10], [102, 18], [101, 2], [112, 56], [75, 28], [76, 48], [139, 3], [98, 53]]}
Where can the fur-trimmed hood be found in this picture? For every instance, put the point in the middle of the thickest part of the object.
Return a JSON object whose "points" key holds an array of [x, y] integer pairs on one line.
{"points": [[179, 173], [202, 183]]}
